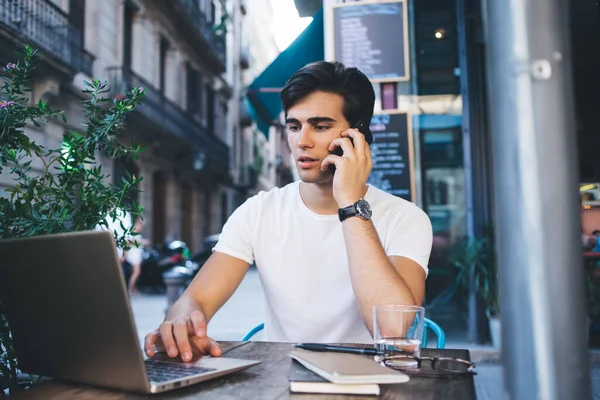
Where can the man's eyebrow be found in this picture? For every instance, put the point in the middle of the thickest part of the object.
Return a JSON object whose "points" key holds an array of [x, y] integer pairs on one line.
{"points": [[313, 120], [316, 120]]}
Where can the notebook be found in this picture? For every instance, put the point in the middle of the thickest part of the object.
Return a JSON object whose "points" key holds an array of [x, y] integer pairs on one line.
{"points": [[302, 380], [343, 368]]}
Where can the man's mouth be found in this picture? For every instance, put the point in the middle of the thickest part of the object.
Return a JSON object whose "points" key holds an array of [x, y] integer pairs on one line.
{"points": [[306, 162]]}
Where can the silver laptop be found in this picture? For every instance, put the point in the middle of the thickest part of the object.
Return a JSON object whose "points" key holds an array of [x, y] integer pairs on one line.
{"points": [[68, 308]]}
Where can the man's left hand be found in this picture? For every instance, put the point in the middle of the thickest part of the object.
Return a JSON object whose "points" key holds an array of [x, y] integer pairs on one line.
{"points": [[352, 168]]}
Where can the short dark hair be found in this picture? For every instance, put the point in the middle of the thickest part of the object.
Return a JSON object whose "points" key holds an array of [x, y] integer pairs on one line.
{"points": [[333, 77]]}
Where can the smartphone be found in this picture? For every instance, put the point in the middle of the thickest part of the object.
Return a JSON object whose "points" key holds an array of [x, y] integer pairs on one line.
{"points": [[338, 150]]}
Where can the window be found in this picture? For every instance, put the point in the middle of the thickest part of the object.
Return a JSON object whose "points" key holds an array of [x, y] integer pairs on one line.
{"points": [[194, 91], [164, 50]]}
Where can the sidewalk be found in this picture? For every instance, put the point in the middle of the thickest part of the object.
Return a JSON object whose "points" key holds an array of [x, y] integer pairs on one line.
{"points": [[490, 370], [241, 313]]}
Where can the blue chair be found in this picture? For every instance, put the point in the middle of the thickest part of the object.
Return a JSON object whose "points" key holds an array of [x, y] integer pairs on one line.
{"points": [[435, 328], [427, 325], [253, 332]]}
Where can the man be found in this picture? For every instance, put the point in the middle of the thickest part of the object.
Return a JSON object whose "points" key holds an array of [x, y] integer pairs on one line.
{"points": [[321, 275]]}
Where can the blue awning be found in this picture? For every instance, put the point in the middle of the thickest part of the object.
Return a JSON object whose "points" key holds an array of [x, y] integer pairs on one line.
{"points": [[263, 93]]}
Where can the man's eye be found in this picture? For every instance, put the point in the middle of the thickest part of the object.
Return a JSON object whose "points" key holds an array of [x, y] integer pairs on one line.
{"points": [[293, 128], [321, 128]]}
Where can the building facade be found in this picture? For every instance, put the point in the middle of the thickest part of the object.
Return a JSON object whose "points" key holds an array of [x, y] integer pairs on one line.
{"points": [[190, 58], [271, 166], [260, 163]]}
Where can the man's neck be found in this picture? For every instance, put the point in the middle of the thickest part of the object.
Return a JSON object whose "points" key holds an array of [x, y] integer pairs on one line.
{"points": [[318, 198]]}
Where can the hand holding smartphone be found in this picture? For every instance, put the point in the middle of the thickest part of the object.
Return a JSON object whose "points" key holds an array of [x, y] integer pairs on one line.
{"points": [[338, 150]]}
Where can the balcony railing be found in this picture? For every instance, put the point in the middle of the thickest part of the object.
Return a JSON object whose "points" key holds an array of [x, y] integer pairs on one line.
{"points": [[157, 108], [48, 28], [216, 42]]}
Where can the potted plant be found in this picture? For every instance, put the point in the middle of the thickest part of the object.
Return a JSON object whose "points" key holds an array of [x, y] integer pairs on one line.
{"points": [[72, 192], [477, 258]]}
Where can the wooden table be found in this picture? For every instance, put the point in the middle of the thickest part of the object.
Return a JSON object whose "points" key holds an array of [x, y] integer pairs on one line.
{"points": [[268, 380]]}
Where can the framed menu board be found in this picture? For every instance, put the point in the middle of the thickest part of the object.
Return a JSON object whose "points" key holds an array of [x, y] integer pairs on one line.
{"points": [[373, 37], [392, 153]]}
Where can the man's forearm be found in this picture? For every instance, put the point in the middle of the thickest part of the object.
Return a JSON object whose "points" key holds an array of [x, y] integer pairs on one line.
{"points": [[374, 278]]}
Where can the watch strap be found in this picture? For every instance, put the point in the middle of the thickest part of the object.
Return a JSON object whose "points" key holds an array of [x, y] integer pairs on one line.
{"points": [[347, 212]]}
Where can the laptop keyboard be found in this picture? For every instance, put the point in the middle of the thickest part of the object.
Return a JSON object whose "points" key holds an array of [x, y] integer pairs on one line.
{"points": [[159, 371]]}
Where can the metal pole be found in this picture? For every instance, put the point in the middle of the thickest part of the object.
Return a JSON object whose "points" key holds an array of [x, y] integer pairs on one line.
{"points": [[542, 291], [473, 331]]}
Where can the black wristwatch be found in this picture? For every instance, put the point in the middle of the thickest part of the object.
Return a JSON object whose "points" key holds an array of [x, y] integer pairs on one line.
{"points": [[360, 209]]}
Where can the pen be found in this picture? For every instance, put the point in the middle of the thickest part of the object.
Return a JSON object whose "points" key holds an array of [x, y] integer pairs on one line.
{"points": [[338, 349]]}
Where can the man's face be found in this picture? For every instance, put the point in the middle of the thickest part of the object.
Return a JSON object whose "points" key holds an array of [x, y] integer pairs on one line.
{"points": [[312, 124]]}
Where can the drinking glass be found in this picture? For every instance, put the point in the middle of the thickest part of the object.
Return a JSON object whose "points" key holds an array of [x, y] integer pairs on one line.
{"points": [[397, 331]]}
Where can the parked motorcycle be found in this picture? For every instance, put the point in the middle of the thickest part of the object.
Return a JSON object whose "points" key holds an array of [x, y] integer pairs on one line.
{"points": [[160, 259], [208, 244]]}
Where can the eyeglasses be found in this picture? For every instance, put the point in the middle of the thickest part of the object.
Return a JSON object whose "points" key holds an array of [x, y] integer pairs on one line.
{"points": [[429, 366]]}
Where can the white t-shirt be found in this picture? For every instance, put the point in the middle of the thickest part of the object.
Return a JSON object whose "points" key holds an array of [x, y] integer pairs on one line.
{"points": [[114, 225], [135, 254], [302, 262]]}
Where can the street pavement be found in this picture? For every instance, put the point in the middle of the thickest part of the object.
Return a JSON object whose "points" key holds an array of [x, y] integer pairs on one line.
{"points": [[245, 310]]}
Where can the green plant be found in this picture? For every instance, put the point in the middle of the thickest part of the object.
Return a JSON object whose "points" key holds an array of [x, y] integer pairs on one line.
{"points": [[67, 191], [221, 28], [477, 258]]}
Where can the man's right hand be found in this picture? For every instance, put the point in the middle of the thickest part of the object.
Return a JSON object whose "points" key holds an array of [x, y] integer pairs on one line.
{"points": [[182, 336]]}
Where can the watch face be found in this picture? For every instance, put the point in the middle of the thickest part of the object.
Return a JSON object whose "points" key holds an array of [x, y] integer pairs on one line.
{"points": [[363, 209]]}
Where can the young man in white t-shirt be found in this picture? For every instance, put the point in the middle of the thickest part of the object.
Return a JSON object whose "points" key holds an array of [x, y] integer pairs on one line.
{"points": [[327, 248]]}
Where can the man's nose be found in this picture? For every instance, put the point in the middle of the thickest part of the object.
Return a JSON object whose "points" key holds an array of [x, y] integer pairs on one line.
{"points": [[305, 139]]}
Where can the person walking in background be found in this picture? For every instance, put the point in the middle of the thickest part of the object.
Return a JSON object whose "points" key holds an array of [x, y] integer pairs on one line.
{"points": [[118, 226], [134, 255]]}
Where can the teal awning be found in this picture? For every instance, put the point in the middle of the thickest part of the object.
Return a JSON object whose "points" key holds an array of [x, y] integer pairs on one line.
{"points": [[263, 93]]}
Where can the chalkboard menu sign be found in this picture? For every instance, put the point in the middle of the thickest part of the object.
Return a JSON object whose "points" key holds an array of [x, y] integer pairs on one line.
{"points": [[372, 37], [392, 155]]}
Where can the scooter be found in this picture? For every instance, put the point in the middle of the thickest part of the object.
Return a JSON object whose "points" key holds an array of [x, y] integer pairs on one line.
{"points": [[160, 259]]}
